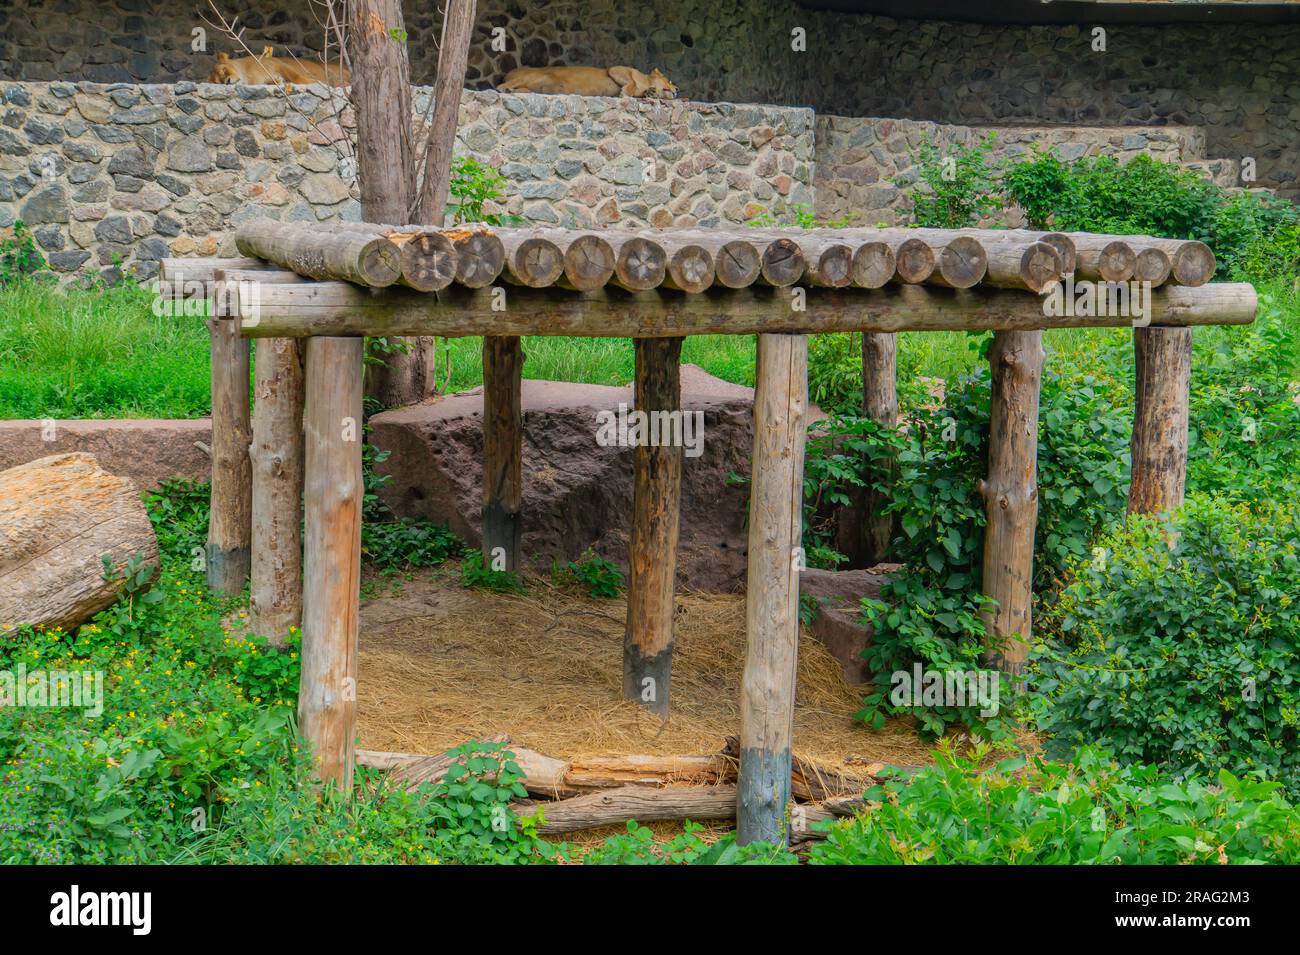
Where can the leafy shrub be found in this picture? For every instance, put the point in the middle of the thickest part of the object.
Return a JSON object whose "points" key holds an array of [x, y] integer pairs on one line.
{"points": [[473, 573], [1092, 812], [396, 545], [930, 612], [1040, 185], [472, 186], [19, 256], [1255, 235], [960, 188], [596, 575], [178, 510], [1244, 417], [471, 809], [1183, 644], [638, 847]]}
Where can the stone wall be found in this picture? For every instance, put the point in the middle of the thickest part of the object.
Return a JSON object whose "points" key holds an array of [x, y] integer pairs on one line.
{"points": [[864, 165], [1239, 81], [117, 177]]}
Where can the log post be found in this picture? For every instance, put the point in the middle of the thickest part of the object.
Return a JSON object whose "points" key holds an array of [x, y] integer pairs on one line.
{"points": [[327, 695], [772, 594], [1164, 367], [277, 463], [503, 436], [652, 559], [230, 521], [879, 404], [1011, 494]]}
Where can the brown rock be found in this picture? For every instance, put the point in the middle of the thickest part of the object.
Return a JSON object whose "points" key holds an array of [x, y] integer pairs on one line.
{"points": [[145, 450], [60, 517], [839, 594], [577, 494]]}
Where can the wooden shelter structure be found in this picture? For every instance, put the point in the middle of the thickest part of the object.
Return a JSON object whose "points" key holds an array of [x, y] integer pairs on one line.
{"points": [[309, 297]]}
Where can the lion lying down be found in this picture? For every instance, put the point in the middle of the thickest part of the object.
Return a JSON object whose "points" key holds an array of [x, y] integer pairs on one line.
{"points": [[269, 69], [589, 81]]}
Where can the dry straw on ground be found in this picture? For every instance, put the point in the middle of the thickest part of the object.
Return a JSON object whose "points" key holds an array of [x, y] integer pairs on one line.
{"points": [[440, 664]]}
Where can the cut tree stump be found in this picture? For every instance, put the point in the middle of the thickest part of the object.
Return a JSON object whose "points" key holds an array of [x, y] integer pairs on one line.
{"points": [[59, 516]]}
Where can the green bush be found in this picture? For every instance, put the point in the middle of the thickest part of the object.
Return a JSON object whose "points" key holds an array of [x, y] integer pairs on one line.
{"points": [[1255, 235], [1182, 644], [959, 185], [20, 259], [597, 576], [1089, 813], [930, 612]]}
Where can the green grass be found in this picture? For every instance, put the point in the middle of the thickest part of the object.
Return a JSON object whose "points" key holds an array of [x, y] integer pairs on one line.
{"points": [[98, 353], [102, 353]]}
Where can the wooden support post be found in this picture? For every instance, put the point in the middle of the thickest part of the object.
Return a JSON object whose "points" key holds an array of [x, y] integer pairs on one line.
{"points": [[230, 520], [1164, 368], [327, 695], [1011, 494], [503, 438], [879, 404], [652, 558], [772, 595], [277, 464]]}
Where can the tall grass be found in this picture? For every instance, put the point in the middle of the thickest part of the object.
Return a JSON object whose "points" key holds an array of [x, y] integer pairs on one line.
{"points": [[98, 353], [94, 353]]}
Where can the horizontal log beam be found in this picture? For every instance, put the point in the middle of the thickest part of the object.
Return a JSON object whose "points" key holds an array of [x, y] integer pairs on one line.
{"points": [[341, 309]]}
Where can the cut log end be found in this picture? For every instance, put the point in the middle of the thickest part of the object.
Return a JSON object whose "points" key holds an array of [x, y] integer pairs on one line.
{"points": [[873, 264], [783, 262], [640, 264], [737, 265], [480, 258], [1040, 267], [1152, 265], [588, 263], [1193, 264], [690, 269], [962, 263], [914, 261]]}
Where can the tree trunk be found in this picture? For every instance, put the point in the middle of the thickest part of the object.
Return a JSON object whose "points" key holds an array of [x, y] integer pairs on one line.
{"points": [[381, 96], [503, 437], [772, 593], [327, 694], [879, 404], [277, 460], [230, 520], [59, 517], [652, 540], [1164, 368], [1011, 494], [453, 56]]}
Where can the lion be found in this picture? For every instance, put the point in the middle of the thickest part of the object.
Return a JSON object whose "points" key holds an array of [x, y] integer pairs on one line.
{"points": [[268, 69], [589, 81]]}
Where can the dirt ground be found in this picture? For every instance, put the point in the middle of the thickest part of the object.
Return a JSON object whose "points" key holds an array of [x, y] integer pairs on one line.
{"points": [[440, 664]]}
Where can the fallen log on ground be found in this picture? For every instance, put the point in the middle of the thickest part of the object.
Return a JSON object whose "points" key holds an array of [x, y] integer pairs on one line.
{"points": [[609, 807], [60, 516]]}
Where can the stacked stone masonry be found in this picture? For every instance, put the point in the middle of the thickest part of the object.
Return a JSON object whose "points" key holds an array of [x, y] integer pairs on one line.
{"points": [[112, 178], [1240, 82]]}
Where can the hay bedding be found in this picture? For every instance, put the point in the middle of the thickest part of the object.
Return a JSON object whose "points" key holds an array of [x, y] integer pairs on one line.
{"points": [[440, 665]]}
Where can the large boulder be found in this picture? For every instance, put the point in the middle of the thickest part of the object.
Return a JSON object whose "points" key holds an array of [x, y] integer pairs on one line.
{"points": [[577, 493], [60, 516]]}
